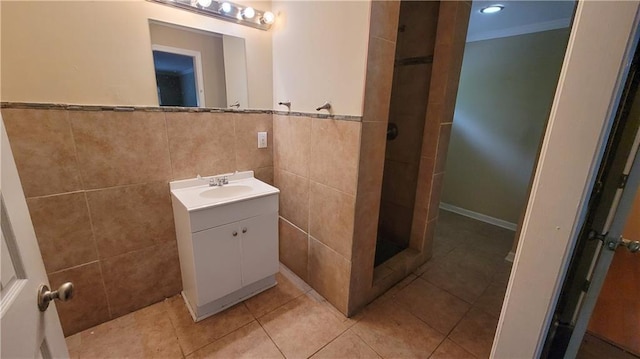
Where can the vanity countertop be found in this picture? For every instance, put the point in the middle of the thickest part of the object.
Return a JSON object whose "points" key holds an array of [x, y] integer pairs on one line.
{"points": [[196, 194]]}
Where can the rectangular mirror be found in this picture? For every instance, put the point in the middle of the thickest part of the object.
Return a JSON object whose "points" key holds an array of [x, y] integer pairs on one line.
{"points": [[195, 68]]}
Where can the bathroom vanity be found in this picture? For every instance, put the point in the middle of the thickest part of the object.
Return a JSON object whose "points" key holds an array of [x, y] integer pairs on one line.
{"points": [[227, 232]]}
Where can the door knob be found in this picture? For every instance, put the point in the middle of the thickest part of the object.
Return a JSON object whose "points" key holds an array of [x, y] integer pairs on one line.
{"points": [[64, 293]]}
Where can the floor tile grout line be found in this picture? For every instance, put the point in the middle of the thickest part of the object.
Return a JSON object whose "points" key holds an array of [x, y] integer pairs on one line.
{"points": [[445, 336], [171, 320], [222, 337], [367, 344], [437, 286], [270, 338], [431, 326], [175, 331], [458, 323], [275, 308], [332, 340], [428, 324]]}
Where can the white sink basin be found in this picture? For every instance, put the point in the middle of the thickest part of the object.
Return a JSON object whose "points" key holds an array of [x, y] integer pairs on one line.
{"points": [[195, 194], [226, 191]]}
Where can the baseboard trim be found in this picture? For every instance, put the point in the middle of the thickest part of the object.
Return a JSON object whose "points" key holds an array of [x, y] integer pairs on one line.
{"points": [[510, 256], [479, 216]]}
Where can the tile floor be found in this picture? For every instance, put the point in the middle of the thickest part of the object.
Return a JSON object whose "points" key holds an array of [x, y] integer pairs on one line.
{"points": [[448, 308], [595, 348]]}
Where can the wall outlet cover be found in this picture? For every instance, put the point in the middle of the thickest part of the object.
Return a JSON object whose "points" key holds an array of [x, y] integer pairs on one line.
{"points": [[262, 140]]}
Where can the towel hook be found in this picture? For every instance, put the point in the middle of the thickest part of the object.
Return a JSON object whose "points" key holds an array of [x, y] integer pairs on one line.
{"points": [[326, 106], [285, 103]]}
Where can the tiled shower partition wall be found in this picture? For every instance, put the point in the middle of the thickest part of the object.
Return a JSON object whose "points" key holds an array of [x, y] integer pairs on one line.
{"points": [[316, 170], [452, 22], [96, 182], [409, 94]]}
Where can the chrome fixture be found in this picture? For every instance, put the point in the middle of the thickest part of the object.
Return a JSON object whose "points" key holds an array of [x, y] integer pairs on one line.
{"points": [[218, 182], [392, 131], [235, 104], [215, 181], [45, 296], [285, 103], [326, 106], [227, 11]]}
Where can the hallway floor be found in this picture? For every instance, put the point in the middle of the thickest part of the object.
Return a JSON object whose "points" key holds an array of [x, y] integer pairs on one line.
{"points": [[448, 308]]}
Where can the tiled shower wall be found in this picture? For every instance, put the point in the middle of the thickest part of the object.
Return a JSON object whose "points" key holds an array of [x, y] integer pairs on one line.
{"points": [[96, 184], [411, 77], [316, 169], [452, 21]]}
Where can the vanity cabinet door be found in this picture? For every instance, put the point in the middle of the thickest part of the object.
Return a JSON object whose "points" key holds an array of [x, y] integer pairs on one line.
{"points": [[218, 262], [259, 247]]}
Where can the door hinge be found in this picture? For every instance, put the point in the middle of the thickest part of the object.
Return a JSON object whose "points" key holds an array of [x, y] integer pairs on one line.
{"points": [[585, 285], [595, 235], [623, 180]]}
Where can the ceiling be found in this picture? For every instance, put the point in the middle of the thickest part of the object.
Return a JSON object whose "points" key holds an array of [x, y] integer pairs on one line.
{"points": [[517, 18]]}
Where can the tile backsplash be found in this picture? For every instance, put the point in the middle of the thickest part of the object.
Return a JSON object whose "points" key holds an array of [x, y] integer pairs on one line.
{"points": [[96, 184]]}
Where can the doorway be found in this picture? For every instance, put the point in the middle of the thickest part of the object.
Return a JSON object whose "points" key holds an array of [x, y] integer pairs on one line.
{"points": [[507, 86], [510, 70], [178, 76], [417, 25]]}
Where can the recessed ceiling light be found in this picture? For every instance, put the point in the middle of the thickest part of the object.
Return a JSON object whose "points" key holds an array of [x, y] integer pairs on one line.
{"points": [[492, 9]]}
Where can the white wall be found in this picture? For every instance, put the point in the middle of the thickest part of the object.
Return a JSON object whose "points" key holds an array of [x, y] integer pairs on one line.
{"points": [[504, 99], [320, 54], [83, 52]]}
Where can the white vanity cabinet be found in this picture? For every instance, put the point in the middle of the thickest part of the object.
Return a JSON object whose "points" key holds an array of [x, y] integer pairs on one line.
{"points": [[235, 255], [227, 243]]}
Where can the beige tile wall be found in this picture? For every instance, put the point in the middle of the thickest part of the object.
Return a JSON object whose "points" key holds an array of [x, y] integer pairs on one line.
{"points": [[452, 22], [96, 184], [380, 63], [316, 164], [410, 91]]}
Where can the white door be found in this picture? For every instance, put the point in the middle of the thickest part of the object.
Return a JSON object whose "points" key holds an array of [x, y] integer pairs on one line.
{"points": [[612, 241], [26, 332], [600, 44]]}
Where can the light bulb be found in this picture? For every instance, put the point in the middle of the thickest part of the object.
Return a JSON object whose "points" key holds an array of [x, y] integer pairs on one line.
{"points": [[225, 7], [268, 18], [248, 13], [204, 3], [492, 9]]}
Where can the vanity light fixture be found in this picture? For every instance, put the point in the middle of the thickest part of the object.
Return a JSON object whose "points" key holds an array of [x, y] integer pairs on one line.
{"points": [[225, 10], [492, 9]]}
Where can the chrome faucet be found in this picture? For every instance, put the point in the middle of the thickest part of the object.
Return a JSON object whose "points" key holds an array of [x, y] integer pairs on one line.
{"points": [[215, 181], [218, 182]]}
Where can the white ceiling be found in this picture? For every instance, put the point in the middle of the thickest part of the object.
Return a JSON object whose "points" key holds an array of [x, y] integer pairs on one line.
{"points": [[517, 18]]}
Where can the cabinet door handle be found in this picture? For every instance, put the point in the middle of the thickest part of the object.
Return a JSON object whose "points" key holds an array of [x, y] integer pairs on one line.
{"points": [[235, 233], [244, 230]]}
